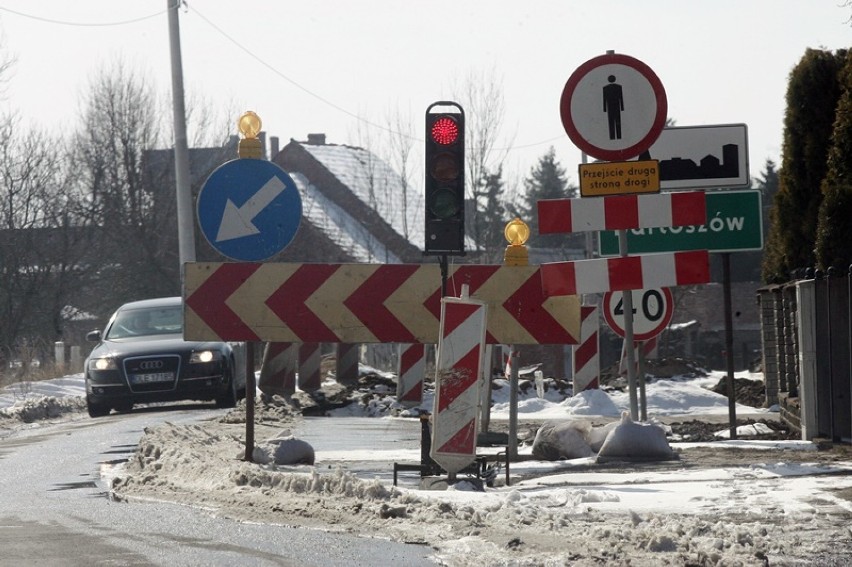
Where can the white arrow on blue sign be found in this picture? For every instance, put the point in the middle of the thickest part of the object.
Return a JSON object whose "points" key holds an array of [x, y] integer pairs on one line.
{"points": [[249, 209]]}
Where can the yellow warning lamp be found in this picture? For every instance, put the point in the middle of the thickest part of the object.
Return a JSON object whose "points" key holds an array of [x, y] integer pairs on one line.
{"points": [[517, 233], [249, 125]]}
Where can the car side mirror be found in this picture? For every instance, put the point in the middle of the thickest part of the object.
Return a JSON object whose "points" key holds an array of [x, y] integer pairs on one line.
{"points": [[93, 336]]}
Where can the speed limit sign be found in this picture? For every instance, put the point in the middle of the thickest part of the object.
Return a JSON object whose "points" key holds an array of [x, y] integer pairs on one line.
{"points": [[652, 312]]}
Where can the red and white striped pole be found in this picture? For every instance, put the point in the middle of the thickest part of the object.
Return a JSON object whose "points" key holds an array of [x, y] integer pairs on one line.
{"points": [[278, 370], [648, 350], [412, 367], [310, 360], [347, 363], [461, 346], [587, 362]]}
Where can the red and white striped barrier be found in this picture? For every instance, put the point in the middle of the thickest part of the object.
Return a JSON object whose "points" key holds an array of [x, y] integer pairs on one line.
{"points": [[460, 354], [625, 272], [587, 362], [622, 212], [347, 363], [310, 360], [412, 367], [278, 369]]}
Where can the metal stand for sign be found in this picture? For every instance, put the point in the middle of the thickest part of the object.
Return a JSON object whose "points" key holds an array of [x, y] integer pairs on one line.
{"points": [[627, 298], [729, 343]]}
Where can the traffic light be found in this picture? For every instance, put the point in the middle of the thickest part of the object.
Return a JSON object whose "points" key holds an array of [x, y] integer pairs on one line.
{"points": [[445, 180]]}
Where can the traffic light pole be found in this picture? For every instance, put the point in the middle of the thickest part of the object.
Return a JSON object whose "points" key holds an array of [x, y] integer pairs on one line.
{"points": [[445, 269]]}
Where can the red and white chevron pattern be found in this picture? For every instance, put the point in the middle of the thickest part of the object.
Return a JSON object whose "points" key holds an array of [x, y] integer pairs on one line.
{"points": [[366, 303], [626, 272], [278, 370], [621, 212], [457, 381], [412, 367], [587, 362]]}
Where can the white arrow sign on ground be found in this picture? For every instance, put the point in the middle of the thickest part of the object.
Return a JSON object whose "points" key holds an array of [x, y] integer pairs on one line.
{"points": [[237, 221]]}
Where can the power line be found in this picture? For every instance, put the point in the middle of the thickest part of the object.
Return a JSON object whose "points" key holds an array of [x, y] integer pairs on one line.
{"points": [[81, 24], [293, 82], [251, 54], [324, 100]]}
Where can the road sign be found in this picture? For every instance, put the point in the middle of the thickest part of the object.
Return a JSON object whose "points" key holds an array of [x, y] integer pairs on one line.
{"points": [[652, 312], [366, 303], [702, 156], [613, 107], [735, 224], [249, 209], [621, 212], [619, 178], [457, 382]]}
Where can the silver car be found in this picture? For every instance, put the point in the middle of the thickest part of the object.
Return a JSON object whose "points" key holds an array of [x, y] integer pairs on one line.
{"points": [[141, 357]]}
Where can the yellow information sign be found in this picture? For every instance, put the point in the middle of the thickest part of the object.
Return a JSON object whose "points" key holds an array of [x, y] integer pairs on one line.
{"points": [[619, 178]]}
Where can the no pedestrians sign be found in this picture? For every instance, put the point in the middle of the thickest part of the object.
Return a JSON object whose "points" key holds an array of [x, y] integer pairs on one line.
{"points": [[613, 107]]}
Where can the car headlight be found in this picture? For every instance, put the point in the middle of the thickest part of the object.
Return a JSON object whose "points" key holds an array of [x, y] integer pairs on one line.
{"points": [[205, 356], [103, 364]]}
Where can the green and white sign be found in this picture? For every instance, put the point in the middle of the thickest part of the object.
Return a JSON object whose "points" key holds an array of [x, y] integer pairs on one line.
{"points": [[734, 224]]}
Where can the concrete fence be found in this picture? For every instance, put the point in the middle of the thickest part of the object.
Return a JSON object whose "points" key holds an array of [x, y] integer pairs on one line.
{"points": [[806, 329]]}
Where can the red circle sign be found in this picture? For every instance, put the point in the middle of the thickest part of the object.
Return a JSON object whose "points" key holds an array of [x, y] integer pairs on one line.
{"points": [[613, 107], [652, 312]]}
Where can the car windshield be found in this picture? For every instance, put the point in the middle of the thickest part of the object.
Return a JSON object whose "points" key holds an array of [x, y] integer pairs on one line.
{"points": [[147, 321]]}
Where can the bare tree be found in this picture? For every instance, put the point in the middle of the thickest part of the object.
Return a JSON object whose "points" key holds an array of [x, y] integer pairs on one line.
{"points": [[481, 95], [400, 142], [40, 247], [121, 121]]}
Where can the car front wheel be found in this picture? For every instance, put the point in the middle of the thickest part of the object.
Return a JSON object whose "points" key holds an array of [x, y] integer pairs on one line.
{"points": [[229, 398], [96, 409]]}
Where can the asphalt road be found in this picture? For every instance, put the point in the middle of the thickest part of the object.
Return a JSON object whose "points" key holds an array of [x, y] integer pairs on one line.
{"points": [[55, 510]]}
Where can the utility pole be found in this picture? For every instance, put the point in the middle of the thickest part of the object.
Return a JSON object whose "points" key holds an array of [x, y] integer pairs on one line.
{"points": [[183, 189]]}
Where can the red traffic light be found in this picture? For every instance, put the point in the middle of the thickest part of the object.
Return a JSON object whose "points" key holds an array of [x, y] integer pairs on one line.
{"points": [[445, 131]]}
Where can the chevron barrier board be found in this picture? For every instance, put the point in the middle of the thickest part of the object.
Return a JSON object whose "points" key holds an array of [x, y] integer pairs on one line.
{"points": [[621, 212], [366, 303], [457, 381], [625, 272]]}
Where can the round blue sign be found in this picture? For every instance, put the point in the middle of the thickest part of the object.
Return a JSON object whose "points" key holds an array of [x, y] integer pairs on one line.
{"points": [[249, 209]]}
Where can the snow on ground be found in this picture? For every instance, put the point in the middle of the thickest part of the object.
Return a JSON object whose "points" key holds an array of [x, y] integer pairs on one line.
{"points": [[781, 503]]}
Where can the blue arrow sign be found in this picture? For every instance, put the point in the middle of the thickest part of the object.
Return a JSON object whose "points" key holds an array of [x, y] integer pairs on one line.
{"points": [[249, 209]]}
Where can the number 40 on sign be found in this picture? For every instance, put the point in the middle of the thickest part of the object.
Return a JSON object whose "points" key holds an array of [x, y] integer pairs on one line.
{"points": [[652, 312]]}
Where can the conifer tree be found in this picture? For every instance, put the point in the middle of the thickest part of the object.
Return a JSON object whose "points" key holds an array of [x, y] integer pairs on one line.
{"points": [[547, 180], [834, 232], [812, 95]]}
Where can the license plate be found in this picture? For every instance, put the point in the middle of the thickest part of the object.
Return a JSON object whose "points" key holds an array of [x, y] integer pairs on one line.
{"points": [[152, 377]]}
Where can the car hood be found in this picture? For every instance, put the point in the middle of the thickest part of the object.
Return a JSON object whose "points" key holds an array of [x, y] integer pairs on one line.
{"points": [[151, 344]]}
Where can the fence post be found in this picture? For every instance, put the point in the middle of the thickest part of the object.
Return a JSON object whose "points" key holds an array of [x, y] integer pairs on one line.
{"points": [[76, 359], [837, 308], [59, 354]]}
